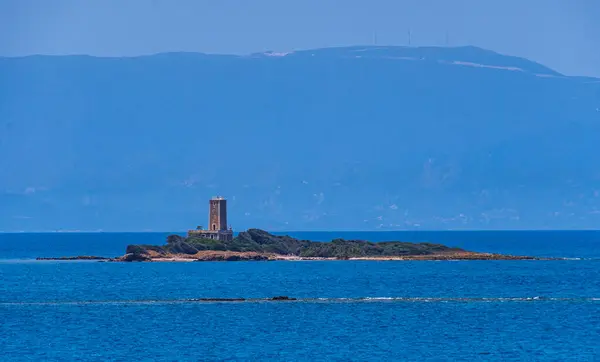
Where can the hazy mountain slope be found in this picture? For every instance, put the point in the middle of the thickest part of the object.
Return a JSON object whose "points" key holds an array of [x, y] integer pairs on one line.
{"points": [[345, 138]]}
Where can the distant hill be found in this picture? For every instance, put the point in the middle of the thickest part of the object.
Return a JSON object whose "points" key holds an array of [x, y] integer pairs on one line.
{"points": [[338, 138]]}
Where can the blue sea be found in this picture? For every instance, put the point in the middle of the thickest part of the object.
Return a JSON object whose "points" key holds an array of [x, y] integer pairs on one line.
{"points": [[346, 310]]}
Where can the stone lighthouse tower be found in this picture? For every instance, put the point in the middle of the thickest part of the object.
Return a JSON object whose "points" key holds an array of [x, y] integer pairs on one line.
{"points": [[217, 217], [217, 222]]}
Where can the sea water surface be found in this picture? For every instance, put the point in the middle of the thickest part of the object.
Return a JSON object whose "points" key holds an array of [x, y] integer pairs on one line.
{"points": [[346, 310]]}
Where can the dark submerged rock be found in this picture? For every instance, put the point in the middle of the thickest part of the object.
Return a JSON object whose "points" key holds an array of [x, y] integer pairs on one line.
{"points": [[273, 299], [220, 300], [282, 298]]}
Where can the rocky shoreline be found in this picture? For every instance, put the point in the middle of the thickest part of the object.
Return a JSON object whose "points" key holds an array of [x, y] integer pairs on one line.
{"points": [[235, 256], [81, 257], [259, 245]]}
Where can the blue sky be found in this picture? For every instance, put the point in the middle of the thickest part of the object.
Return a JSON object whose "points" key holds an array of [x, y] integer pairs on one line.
{"points": [[564, 35]]}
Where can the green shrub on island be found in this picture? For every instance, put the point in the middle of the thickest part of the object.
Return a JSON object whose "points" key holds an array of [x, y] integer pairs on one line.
{"points": [[260, 241]]}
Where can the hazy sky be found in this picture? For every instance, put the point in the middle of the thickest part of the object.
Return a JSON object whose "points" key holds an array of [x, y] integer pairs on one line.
{"points": [[562, 34]]}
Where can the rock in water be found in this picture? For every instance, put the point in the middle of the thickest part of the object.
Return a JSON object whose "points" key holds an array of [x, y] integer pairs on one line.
{"points": [[282, 298], [81, 257]]}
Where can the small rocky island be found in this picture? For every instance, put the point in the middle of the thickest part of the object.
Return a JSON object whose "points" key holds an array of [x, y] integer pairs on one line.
{"points": [[259, 245], [217, 243]]}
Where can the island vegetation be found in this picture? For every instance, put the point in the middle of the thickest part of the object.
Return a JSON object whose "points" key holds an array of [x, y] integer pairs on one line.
{"points": [[256, 244], [262, 242]]}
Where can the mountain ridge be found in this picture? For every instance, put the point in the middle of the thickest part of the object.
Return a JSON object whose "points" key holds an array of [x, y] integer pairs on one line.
{"points": [[461, 51], [297, 142]]}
